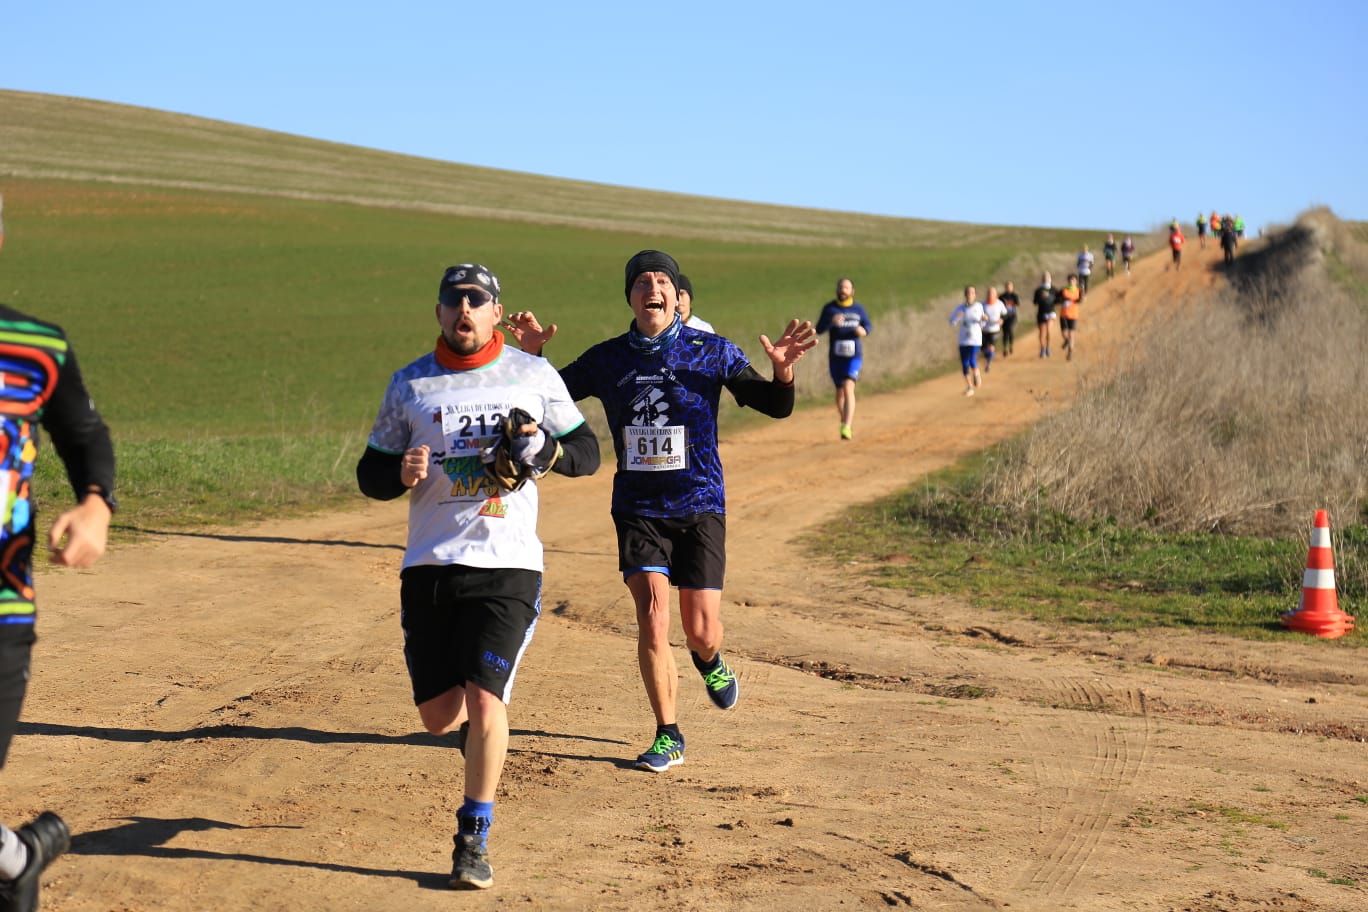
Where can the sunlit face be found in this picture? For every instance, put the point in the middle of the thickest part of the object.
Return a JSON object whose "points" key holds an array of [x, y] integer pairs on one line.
{"points": [[653, 300], [969, 292], [468, 322], [685, 305], [845, 290]]}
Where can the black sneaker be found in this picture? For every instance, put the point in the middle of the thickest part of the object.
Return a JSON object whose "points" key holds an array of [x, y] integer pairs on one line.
{"points": [[46, 838], [465, 735], [470, 868]]}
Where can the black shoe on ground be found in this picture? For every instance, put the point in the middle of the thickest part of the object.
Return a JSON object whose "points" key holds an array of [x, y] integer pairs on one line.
{"points": [[470, 868], [46, 838]]}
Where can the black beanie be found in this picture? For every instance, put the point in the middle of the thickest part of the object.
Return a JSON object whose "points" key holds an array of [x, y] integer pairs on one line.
{"points": [[685, 285], [651, 261]]}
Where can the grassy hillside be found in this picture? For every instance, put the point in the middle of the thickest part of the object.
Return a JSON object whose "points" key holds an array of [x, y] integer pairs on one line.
{"points": [[47, 136], [239, 297]]}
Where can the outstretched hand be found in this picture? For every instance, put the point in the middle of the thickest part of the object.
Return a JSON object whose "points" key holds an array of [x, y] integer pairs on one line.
{"points": [[527, 331], [799, 337]]}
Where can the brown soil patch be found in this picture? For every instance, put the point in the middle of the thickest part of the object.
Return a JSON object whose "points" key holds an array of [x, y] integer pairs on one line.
{"points": [[224, 719]]}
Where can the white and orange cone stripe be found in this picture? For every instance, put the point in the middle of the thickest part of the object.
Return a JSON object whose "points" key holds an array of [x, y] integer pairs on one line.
{"points": [[1320, 560]]}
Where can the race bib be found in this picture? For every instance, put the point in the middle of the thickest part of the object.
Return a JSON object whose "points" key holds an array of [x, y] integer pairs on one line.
{"points": [[466, 430], [655, 449], [844, 348]]}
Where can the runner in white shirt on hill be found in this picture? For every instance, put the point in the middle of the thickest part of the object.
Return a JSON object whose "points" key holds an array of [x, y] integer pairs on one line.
{"points": [[994, 313], [970, 318]]}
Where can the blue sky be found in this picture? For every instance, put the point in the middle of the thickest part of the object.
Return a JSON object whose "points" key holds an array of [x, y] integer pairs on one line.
{"points": [[1083, 115]]}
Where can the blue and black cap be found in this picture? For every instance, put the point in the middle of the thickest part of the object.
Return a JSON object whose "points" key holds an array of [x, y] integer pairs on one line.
{"points": [[466, 275]]}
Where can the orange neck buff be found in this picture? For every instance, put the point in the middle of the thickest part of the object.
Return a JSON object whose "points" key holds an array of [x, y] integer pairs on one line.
{"points": [[451, 360]]}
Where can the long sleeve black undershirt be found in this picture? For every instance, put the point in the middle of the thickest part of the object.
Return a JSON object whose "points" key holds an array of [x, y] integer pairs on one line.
{"points": [[78, 433], [769, 397], [377, 473]]}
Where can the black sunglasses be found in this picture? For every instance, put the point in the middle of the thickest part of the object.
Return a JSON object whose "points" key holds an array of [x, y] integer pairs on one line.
{"points": [[475, 297]]}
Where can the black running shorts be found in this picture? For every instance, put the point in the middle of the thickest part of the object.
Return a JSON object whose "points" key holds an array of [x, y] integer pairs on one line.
{"points": [[16, 647], [466, 625], [691, 551]]}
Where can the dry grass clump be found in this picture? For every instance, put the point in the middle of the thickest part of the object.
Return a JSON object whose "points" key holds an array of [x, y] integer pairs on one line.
{"points": [[1244, 414]]}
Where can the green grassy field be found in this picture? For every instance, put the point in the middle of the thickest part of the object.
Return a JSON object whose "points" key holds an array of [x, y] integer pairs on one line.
{"points": [[239, 344], [941, 538], [229, 314], [238, 299]]}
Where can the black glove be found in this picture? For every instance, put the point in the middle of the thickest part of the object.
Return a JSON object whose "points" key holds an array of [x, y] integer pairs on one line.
{"points": [[516, 457]]}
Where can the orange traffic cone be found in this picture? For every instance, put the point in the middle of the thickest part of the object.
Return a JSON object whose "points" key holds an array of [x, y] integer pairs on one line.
{"points": [[1318, 612]]}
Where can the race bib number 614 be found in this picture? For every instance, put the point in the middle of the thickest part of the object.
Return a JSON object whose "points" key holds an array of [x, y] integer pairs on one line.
{"points": [[655, 449]]}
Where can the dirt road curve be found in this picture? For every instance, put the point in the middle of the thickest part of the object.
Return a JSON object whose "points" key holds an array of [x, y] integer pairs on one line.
{"points": [[224, 719]]}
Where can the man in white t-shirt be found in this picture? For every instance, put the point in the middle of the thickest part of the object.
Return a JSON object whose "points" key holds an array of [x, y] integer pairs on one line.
{"points": [[470, 587], [685, 307]]}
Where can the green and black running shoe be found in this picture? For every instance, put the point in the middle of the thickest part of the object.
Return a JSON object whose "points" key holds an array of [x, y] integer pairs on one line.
{"points": [[667, 751], [722, 685]]}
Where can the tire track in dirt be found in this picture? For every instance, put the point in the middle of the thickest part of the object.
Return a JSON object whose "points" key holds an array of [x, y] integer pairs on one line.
{"points": [[1085, 762], [879, 784]]}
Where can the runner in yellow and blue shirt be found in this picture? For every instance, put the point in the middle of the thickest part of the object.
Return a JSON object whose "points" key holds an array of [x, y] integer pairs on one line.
{"points": [[847, 323]]}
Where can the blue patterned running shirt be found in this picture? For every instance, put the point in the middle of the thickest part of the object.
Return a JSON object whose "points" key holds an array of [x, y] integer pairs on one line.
{"points": [[662, 410]]}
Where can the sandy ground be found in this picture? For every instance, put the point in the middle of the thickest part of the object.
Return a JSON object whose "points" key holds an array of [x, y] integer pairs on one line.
{"points": [[225, 722]]}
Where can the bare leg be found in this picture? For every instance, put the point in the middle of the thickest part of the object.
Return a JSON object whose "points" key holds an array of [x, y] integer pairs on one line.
{"points": [[701, 612], [445, 712], [847, 397], [488, 744], [487, 741], [651, 593]]}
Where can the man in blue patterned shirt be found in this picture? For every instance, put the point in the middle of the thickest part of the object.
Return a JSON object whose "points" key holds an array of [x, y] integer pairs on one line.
{"points": [[660, 384]]}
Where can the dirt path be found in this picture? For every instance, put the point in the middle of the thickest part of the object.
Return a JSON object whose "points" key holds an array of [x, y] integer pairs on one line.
{"points": [[224, 719]]}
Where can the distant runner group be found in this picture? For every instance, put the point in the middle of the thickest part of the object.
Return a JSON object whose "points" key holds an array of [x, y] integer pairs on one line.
{"points": [[1227, 229]]}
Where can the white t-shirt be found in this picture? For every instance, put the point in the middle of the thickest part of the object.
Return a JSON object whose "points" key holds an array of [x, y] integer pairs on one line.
{"points": [[994, 311], [456, 514], [695, 323], [969, 318]]}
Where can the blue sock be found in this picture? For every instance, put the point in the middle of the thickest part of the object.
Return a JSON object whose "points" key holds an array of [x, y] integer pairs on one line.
{"points": [[475, 818]]}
